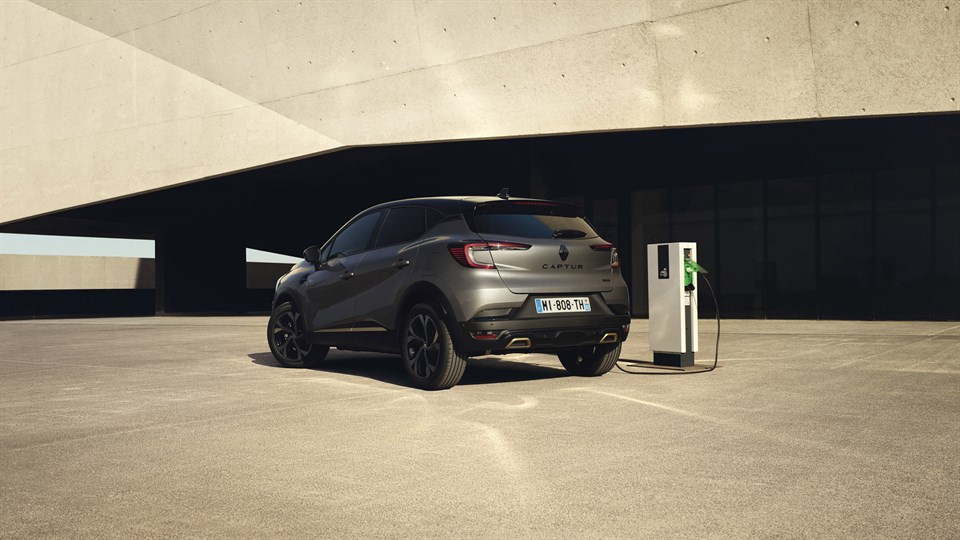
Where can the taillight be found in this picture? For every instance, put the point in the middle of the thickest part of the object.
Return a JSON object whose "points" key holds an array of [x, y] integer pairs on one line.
{"points": [[478, 254], [458, 251], [614, 254]]}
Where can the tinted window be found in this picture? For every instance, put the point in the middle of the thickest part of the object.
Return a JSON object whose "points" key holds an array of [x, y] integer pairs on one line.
{"points": [[946, 271], [605, 218], [650, 222], [356, 237], [791, 279], [740, 253], [401, 225], [532, 221], [902, 218], [846, 251], [693, 214]]}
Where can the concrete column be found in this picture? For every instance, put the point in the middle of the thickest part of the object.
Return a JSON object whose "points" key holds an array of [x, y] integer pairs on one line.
{"points": [[200, 271], [160, 282]]}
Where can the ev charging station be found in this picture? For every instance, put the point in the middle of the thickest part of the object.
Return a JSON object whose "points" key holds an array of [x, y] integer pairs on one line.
{"points": [[672, 286]]}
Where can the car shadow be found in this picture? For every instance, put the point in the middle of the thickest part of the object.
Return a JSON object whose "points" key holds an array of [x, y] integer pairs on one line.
{"points": [[387, 368]]}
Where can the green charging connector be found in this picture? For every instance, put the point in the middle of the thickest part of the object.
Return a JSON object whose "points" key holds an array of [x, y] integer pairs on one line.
{"points": [[690, 267]]}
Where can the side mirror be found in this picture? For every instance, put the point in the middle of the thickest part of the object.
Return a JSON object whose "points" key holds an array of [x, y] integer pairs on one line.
{"points": [[312, 255]]}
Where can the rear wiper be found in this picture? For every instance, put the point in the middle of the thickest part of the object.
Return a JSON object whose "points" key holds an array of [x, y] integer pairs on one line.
{"points": [[568, 233]]}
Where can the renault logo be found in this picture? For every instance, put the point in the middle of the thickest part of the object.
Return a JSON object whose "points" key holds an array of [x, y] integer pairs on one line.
{"points": [[564, 252]]}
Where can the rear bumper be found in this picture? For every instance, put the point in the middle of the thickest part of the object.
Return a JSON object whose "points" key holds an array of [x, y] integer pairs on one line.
{"points": [[545, 334]]}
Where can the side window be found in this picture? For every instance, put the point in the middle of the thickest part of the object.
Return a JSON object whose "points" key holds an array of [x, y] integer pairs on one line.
{"points": [[356, 237], [402, 225]]}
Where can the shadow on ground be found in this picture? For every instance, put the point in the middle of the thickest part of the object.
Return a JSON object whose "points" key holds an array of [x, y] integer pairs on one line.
{"points": [[387, 368]]}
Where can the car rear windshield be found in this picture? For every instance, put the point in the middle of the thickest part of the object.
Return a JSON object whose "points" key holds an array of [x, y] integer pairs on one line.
{"points": [[532, 219]]}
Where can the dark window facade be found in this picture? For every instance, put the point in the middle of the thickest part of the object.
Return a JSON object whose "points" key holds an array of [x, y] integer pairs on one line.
{"points": [[946, 244], [846, 288], [740, 237], [791, 248], [830, 219], [605, 219], [858, 245]]}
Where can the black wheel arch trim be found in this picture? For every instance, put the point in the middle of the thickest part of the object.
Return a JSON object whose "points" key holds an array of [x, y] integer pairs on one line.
{"points": [[287, 296], [282, 297], [424, 290]]}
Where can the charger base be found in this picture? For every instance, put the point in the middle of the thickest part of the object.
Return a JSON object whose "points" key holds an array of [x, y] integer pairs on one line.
{"points": [[673, 359]]}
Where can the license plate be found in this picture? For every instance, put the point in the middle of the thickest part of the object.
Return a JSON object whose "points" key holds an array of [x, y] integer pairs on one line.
{"points": [[562, 305]]}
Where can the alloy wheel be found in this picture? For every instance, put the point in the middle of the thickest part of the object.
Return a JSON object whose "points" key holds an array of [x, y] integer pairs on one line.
{"points": [[422, 343], [289, 337]]}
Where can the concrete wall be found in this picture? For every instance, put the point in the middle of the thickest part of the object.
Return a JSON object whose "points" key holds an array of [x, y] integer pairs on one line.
{"points": [[85, 116], [105, 99], [51, 272]]}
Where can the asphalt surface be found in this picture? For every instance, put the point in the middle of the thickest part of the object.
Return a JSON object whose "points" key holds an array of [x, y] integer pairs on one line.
{"points": [[186, 427]]}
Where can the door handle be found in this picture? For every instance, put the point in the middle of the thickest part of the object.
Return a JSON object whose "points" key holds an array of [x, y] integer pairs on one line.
{"points": [[346, 275], [401, 263]]}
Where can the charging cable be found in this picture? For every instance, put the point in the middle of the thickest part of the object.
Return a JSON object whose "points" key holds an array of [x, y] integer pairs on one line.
{"points": [[716, 351]]}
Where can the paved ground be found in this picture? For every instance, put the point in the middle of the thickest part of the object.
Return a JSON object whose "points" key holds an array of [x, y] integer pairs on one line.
{"points": [[186, 427]]}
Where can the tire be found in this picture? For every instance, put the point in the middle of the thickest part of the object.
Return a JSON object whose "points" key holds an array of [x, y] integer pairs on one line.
{"points": [[287, 336], [592, 360], [426, 346]]}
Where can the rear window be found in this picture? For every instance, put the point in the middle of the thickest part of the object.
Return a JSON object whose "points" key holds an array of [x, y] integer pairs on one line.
{"points": [[532, 220]]}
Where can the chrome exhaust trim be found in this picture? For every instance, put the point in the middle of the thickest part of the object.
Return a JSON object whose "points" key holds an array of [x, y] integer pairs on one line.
{"points": [[609, 337], [519, 343]]}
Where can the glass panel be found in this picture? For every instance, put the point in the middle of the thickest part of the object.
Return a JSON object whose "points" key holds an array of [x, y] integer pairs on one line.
{"points": [[946, 274], [605, 219], [356, 237], [904, 250], [576, 200], [649, 221], [846, 254], [740, 218], [693, 214], [401, 225], [791, 249], [532, 220]]}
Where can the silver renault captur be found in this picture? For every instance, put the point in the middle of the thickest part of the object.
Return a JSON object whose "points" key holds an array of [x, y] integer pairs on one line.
{"points": [[441, 279]]}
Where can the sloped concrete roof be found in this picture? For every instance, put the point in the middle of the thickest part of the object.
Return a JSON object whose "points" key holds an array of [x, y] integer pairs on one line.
{"points": [[100, 100]]}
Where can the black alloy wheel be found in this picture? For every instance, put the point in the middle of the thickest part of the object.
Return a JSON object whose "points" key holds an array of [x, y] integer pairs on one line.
{"points": [[592, 360], [289, 341], [429, 355], [423, 345]]}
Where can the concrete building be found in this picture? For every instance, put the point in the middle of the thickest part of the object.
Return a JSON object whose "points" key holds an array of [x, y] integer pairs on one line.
{"points": [[808, 146]]}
